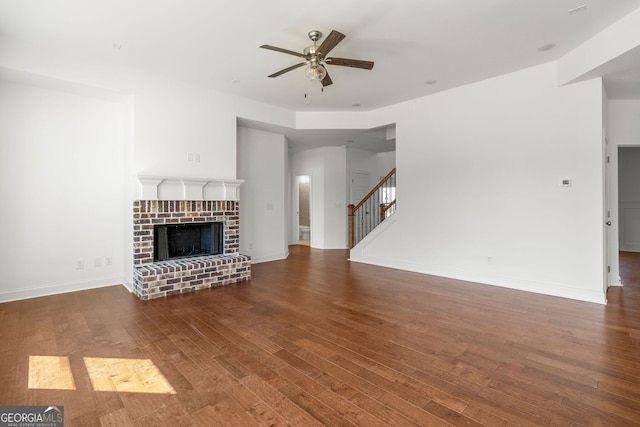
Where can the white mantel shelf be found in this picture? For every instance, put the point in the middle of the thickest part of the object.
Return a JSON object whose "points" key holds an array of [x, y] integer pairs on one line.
{"points": [[155, 187]]}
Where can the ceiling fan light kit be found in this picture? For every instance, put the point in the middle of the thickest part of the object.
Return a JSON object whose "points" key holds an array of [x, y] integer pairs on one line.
{"points": [[316, 73], [316, 57]]}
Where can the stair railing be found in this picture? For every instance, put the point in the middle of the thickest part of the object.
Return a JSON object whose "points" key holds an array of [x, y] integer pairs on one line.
{"points": [[374, 208]]}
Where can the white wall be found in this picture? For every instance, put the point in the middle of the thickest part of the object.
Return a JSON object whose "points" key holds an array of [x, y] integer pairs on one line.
{"points": [[63, 179], [624, 122], [478, 174], [377, 165], [335, 197], [171, 118], [385, 162], [327, 170], [177, 120], [261, 163], [604, 53]]}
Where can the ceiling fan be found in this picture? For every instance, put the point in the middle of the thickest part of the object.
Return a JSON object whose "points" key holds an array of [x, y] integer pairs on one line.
{"points": [[316, 56]]}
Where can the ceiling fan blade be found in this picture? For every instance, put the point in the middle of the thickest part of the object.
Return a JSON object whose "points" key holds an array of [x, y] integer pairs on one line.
{"points": [[279, 49], [327, 80], [354, 63], [286, 70], [330, 42]]}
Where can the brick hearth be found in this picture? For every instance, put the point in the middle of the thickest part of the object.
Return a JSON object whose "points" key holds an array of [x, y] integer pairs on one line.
{"points": [[154, 280]]}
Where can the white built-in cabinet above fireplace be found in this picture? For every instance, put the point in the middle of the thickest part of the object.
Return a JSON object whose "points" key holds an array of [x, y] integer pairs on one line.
{"points": [[153, 187]]}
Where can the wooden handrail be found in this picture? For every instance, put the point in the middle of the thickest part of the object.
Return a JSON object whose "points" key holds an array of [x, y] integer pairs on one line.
{"points": [[376, 188], [384, 207]]}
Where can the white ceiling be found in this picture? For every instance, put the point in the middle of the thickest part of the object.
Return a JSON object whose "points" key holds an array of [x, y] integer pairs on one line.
{"points": [[216, 43]]}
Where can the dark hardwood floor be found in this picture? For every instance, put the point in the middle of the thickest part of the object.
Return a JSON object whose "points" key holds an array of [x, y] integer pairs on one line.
{"points": [[315, 340]]}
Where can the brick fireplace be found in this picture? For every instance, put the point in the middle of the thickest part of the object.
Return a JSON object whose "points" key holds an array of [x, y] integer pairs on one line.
{"points": [[154, 279]]}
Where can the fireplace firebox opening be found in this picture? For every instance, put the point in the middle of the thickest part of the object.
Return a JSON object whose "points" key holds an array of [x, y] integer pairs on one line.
{"points": [[172, 241]]}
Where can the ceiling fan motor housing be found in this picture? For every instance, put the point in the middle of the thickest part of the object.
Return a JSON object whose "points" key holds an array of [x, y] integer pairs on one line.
{"points": [[315, 35], [310, 51]]}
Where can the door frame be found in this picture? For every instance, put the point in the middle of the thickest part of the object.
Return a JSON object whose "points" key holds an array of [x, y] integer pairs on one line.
{"points": [[295, 204], [610, 213]]}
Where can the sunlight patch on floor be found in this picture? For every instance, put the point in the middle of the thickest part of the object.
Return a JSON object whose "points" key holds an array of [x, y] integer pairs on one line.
{"points": [[126, 375], [50, 372]]}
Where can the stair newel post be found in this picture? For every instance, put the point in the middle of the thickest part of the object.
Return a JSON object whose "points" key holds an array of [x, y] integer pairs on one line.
{"points": [[352, 210]]}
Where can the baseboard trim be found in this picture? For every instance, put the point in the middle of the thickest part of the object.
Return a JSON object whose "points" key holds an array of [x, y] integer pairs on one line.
{"points": [[549, 289], [267, 258], [61, 288]]}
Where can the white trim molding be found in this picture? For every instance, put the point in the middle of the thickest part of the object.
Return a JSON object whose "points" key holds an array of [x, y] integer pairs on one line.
{"points": [[153, 187]]}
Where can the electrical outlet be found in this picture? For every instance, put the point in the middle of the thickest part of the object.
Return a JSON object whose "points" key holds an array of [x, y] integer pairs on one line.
{"points": [[79, 264], [108, 261], [566, 181], [489, 259]]}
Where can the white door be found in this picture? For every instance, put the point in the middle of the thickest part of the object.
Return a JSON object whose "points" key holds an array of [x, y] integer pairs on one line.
{"points": [[360, 186], [607, 212], [612, 223]]}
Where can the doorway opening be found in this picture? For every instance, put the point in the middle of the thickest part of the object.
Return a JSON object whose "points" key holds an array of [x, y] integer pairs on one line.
{"points": [[304, 209], [628, 197]]}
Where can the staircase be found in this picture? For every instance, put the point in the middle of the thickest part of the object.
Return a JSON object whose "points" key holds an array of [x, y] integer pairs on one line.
{"points": [[375, 207]]}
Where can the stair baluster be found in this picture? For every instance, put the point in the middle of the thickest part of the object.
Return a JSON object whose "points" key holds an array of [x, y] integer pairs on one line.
{"points": [[375, 207]]}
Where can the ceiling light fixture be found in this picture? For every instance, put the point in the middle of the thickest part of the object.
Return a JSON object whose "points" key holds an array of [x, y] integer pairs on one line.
{"points": [[315, 72], [431, 82]]}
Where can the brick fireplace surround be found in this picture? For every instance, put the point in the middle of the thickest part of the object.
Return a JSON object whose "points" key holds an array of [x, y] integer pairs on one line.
{"points": [[158, 279]]}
